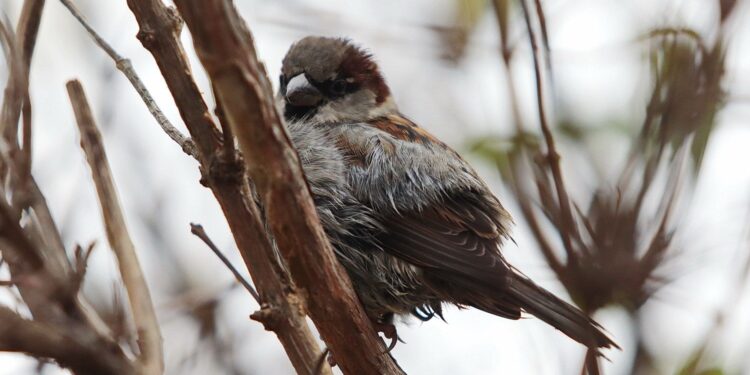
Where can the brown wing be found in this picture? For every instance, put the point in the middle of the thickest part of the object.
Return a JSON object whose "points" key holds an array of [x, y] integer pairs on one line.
{"points": [[456, 237], [456, 244]]}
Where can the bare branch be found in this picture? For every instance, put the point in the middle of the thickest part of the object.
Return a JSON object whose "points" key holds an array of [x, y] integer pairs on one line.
{"points": [[281, 310], [26, 33], [51, 299], [553, 158], [126, 68], [17, 90], [226, 50], [501, 8], [199, 232], [44, 340], [147, 326]]}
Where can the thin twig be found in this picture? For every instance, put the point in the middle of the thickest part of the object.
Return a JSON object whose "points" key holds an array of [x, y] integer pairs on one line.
{"points": [[199, 232], [553, 158], [151, 358], [545, 35], [124, 65], [524, 202]]}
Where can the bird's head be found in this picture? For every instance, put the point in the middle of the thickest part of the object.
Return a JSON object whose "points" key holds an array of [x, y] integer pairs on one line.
{"points": [[331, 80]]}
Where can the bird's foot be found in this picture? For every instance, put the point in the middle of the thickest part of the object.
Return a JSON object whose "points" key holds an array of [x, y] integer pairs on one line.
{"points": [[389, 331]]}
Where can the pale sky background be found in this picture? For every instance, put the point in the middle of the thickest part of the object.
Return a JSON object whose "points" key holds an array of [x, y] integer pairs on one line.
{"points": [[599, 71]]}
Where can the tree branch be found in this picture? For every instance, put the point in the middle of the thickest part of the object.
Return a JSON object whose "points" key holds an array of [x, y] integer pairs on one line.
{"points": [[199, 232], [281, 310], [151, 358], [126, 68], [226, 50], [26, 33], [48, 341], [552, 156]]}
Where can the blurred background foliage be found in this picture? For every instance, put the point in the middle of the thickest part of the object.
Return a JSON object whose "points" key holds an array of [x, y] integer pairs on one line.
{"points": [[648, 104]]}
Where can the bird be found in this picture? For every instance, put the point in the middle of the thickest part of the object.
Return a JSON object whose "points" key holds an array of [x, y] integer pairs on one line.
{"points": [[410, 220]]}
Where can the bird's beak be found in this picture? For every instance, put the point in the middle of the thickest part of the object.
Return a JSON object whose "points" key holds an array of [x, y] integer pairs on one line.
{"points": [[300, 93]]}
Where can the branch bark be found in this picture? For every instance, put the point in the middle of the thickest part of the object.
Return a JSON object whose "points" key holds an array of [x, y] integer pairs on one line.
{"points": [[49, 341], [26, 33], [33, 248], [151, 359], [225, 47], [281, 309]]}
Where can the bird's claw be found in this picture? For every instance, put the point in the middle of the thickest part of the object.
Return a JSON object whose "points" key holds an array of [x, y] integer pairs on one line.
{"points": [[389, 331]]}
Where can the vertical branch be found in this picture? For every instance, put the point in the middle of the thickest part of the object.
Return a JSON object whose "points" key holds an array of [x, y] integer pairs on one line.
{"points": [[147, 327], [502, 10], [225, 48], [16, 97], [281, 309], [567, 221], [17, 101], [26, 33], [553, 158]]}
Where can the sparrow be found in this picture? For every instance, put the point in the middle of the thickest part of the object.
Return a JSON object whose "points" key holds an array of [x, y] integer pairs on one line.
{"points": [[409, 219]]}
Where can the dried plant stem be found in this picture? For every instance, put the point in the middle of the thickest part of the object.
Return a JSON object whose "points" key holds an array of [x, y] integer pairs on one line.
{"points": [[18, 47], [553, 158], [151, 359], [126, 68], [22, 46], [26, 33], [527, 211], [199, 232]]}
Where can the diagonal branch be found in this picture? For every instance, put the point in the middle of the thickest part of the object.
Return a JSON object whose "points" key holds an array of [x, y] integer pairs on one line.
{"points": [[225, 47], [126, 68], [281, 310], [149, 337], [199, 232]]}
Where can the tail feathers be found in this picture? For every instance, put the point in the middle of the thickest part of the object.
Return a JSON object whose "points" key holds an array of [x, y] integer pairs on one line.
{"points": [[557, 313]]}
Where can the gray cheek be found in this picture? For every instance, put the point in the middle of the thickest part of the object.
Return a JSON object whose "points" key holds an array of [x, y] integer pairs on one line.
{"points": [[355, 107]]}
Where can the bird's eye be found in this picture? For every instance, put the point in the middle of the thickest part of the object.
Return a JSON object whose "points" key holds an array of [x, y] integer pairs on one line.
{"points": [[338, 87]]}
